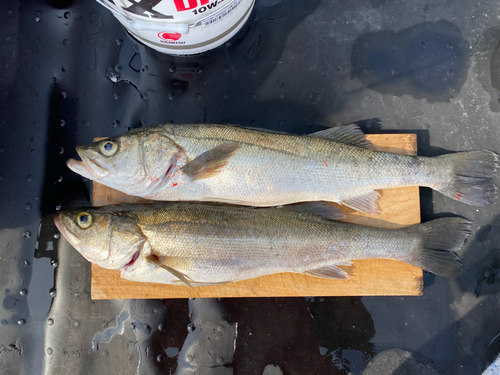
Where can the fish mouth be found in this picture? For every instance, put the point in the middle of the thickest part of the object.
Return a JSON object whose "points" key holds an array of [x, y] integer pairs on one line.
{"points": [[88, 168], [68, 234]]}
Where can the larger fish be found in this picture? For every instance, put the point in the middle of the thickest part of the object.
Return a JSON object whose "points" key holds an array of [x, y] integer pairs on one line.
{"points": [[237, 165], [203, 244]]}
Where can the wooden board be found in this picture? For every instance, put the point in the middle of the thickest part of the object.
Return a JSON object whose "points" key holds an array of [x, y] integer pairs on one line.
{"points": [[369, 277]]}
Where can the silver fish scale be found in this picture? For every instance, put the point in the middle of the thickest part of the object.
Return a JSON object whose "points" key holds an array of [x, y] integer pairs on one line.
{"points": [[217, 244], [273, 169]]}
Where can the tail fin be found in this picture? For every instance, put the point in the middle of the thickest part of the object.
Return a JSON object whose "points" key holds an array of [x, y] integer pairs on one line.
{"points": [[472, 177], [440, 239]]}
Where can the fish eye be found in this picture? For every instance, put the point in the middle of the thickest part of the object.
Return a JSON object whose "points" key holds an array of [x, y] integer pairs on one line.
{"points": [[84, 220], [108, 147]]}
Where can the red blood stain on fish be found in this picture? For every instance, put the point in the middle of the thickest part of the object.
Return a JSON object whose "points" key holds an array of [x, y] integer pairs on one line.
{"points": [[325, 163], [458, 196], [174, 184]]}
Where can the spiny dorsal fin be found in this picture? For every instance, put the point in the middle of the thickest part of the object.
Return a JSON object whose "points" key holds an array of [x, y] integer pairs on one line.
{"points": [[366, 203], [210, 162], [179, 275], [329, 272], [349, 134], [320, 208]]}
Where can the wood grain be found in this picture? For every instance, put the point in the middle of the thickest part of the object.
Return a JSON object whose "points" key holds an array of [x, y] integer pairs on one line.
{"points": [[369, 277]]}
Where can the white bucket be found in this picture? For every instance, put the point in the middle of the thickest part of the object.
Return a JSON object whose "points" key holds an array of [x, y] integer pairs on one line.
{"points": [[181, 27]]}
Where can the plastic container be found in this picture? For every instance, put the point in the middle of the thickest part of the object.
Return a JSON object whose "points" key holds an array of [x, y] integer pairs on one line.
{"points": [[181, 27]]}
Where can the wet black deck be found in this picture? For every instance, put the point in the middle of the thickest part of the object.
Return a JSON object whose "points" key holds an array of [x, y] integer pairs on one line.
{"points": [[69, 73]]}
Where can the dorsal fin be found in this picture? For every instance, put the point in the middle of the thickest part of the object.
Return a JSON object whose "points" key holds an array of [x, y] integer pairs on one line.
{"points": [[349, 134], [320, 208]]}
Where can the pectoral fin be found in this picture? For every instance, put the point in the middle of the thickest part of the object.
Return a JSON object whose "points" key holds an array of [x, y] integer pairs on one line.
{"points": [[210, 162], [179, 275]]}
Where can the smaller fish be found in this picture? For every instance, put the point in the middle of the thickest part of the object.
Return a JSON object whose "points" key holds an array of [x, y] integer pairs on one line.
{"points": [[206, 244]]}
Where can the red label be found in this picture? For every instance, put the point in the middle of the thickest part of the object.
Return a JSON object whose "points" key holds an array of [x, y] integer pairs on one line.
{"points": [[169, 36], [183, 5]]}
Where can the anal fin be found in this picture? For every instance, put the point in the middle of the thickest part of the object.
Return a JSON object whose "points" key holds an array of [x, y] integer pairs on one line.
{"points": [[366, 203], [330, 272]]}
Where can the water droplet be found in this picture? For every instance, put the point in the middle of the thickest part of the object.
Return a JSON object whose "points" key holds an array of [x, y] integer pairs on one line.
{"points": [[91, 13], [52, 292], [56, 236], [37, 19], [394, 71], [30, 178], [65, 42], [449, 45], [189, 358], [119, 42], [145, 68], [171, 96], [190, 327], [54, 263], [171, 69], [220, 329], [28, 206], [23, 292], [64, 95], [60, 179], [64, 68], [61, 150], [450, 73], [199, 70], [161, 327], [144, 96], [220, 360], [49, 351], [27, 234], [62, 122], [422, 44], [105, 353], [116, 123], [198, 96], [76, 323], [21, 322], [26, 263], [160, 357], [424, 99], [66, 15], [116, 96]]}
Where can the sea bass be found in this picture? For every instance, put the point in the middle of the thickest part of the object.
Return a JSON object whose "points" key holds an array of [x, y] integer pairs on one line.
{"points": [[206, 244], [229, 164]]}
